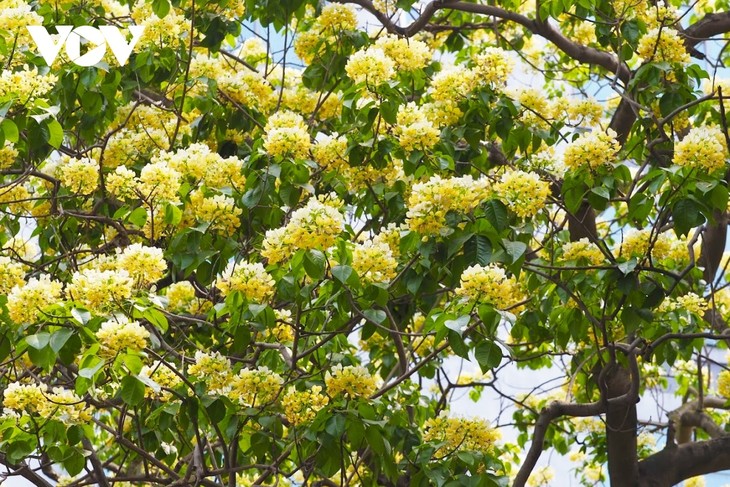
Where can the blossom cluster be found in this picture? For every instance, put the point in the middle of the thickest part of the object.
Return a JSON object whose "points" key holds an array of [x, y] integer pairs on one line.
{"points": [[314, 226], [429, 202], [464, 434], [490, 285]]}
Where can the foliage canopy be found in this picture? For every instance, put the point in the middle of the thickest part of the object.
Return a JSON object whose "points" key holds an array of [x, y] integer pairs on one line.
{"points": [[254, 254]]}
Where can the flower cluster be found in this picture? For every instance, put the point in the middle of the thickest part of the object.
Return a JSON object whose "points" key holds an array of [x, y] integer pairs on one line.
{"points": [[25, 85], [407, 54], [723, 383], [371, 66], [219, 210], [493, 65], [60, 403], [593, 150], [490, 285], [81, 176], [662, 45], [703, 148], [429, 202], [11, 274], [99, 290], [213, 368], [316, 225], [163, 378], [302, 406], [255, 387], [25, 303], [523, 192], [460, 434], [452, 83], [119, 334], [250, 279], [582, 250], [286, 136], [414, 130], [374, 262], [159, 182], [145, 265], [351, 382], [689, 302]]}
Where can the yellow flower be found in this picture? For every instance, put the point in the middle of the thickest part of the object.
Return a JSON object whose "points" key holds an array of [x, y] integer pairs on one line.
{"points": [[159, 182], [302, 406], [453, 83], [592, 149], [163, 377], [25, 303], [371, 66], [11, 274], [81, 176], [145, 265], [374, 262], [523, 192], [430, 201], [121, 183], [219, 210], [251, 279], [30, 398], [119, 334], [490, 285], [493, 65], [407, 54], [100, 290], [583, 249], [662, 44], [723, 383], [215, 369], [255, 387], [351, 381], [460, 434], [414, 130], [287, 136], [316, 225], [702, 147], [336, 17]]}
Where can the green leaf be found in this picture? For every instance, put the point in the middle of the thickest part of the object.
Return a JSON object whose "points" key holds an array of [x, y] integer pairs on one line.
{"points": [[496, 213], [161, 7], [335, 425], [459, 324], [687, 215], [342, 273], [38, 341], [138, 217], [627, 267], [488, 355], [90, 366], [10, 130], [314, 264], [59, 338], [376, 315], [54, 133], [514, 249], [132, 390]]}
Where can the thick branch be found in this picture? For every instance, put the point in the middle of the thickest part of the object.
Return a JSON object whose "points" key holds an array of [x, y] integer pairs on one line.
{"points": [[547, 415], [673, 465]]}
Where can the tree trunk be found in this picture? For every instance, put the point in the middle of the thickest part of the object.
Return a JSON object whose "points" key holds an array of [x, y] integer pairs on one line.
{"points": [[621, 422]]}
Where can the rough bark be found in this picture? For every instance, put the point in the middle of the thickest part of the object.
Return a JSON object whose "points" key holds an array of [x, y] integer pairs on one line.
{"points": [[621, 421], [675, 464]]}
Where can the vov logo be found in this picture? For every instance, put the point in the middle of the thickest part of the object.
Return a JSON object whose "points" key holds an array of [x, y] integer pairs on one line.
{"points": [[71, 37]]}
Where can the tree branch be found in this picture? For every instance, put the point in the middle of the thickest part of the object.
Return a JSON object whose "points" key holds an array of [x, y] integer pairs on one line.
{"points": [[673, 465], [549, 413]]}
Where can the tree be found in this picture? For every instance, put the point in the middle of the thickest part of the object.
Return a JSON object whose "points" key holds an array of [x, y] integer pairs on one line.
{"points": [[251, 254]]}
